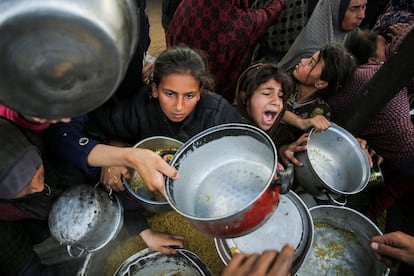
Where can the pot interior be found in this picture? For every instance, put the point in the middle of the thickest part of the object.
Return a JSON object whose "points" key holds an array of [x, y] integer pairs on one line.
{"points": [[341, 244], [291, 223], [222, 171], [152, 201], [337, 159]]}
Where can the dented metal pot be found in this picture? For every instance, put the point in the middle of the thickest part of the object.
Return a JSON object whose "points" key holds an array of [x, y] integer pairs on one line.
{"points": [[85, 219]]}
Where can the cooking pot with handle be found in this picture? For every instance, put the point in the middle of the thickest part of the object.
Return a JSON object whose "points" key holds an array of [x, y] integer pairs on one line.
{"points": [[227, 185], [334, 165], [64, 58], [85, 219]]}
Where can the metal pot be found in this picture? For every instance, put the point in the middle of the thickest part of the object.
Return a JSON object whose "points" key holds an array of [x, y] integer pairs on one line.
{"points": [[85, 219], [334, 165], [64, 58], [290, 223], [227, 184], [135, 186], [341, 244], [149, 262]]}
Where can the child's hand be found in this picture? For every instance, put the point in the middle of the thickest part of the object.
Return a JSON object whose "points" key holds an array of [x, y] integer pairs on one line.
{"points": [[319, 122], [111, 177], [161, 242]]}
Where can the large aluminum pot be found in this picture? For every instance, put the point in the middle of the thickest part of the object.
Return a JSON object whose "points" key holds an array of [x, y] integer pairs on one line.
{"points": [[291, 223], [149, 262], [153, 202], [334, 165], [341, 244], [64, 58], [227, 183], [85, 219]]}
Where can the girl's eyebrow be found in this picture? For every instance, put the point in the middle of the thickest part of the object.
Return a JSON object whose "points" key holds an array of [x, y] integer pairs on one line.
{"points": [[172, 91]]}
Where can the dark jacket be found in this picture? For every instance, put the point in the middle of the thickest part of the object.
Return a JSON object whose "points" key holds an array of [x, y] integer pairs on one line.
{"points": [[142, 117]]}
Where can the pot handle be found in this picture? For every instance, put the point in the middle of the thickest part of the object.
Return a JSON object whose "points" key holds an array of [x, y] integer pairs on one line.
{"points": [[285, 178], [70, 251], [334, 201]]}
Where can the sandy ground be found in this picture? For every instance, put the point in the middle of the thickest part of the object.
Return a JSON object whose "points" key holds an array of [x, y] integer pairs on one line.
{"points": [[156, 31]]}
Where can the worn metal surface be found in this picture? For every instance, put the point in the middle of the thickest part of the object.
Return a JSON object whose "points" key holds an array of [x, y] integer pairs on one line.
{"points": [[341, 244], [63, 58], [290, 223], [334, 163]]}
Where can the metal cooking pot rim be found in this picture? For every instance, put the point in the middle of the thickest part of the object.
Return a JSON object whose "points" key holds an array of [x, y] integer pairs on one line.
{"points": [[138, 259], [189, 143], [257, 239], [363, 158]]}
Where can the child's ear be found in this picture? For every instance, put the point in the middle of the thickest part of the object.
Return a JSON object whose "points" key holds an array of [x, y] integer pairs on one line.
{"points": [[321, 84], [154, 90]]}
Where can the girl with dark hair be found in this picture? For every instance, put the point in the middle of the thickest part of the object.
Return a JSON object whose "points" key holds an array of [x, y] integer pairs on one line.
{"points": [[326, 71], [261, 95], [177, 104]]}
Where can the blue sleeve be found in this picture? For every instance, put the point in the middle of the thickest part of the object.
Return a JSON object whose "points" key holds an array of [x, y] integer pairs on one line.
{"points": [[67, 142]]}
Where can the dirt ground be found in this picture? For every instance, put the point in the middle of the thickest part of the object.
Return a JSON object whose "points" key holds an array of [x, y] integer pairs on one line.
{"points": [[156, 31]]}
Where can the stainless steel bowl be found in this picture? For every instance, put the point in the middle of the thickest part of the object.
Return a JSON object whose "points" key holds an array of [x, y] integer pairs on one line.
{"points": [[151, 201]]}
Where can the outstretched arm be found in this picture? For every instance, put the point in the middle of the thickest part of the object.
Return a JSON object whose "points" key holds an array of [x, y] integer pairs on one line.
{"points": [[149, 165], [319, 122]]}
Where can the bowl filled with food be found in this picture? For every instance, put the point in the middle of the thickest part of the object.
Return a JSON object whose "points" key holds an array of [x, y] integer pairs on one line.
{"points": [[152, 201]]}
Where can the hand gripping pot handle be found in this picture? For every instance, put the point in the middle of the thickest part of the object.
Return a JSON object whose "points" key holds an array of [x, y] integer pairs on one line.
{"points": [[284, 179]]}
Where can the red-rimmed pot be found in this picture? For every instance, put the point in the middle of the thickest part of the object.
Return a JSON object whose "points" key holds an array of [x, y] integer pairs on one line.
{"points": [[291, 223], [227, 185]]}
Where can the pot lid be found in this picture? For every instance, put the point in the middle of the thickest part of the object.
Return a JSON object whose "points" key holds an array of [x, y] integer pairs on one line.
{"points": [[56, 61], [290, 223]]}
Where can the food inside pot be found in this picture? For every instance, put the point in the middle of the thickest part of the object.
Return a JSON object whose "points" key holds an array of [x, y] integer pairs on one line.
{"points": [[138, 185], [337, 251]]}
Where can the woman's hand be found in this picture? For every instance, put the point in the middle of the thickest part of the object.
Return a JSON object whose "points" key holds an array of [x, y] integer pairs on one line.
{"points": [[269, 263], [111, 177], [161, 242], [287, 152]]}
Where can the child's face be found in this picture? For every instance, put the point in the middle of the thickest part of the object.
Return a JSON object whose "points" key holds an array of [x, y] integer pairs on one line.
{"points": [[178, 95], [309, 70], [36, 185], [266, 104]]}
